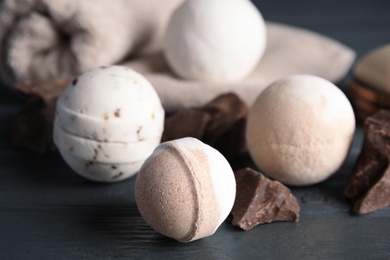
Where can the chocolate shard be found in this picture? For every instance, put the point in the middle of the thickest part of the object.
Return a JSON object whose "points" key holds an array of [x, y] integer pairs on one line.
{"points": [[366, 100], [189, 122], [368, 187], [366, 92], [220, 123], [33, 126], [260, 200]]}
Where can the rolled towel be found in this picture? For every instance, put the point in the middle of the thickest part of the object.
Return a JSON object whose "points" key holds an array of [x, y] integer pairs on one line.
{"points": [[42, 39]]}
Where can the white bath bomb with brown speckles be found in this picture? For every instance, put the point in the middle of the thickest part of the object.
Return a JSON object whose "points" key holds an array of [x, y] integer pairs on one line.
{"points": [[299, 129], [108, 121], [185, 189], [216, 41]]}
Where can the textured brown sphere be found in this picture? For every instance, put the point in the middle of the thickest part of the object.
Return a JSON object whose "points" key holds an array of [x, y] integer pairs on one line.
{"points": [[185, 189], [299, 129]]}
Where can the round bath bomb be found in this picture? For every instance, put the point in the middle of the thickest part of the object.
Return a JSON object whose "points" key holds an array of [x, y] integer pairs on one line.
{"points": [[185, 189], [214, 40], [108, 121], [299, 129]]}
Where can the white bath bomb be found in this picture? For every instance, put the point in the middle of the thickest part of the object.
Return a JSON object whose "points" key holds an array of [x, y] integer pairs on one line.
{"points": [[108, 121], [185, 189], [214, 40], [299, 129]]}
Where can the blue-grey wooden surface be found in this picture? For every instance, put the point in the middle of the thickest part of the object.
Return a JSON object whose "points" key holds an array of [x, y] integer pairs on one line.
{"points": [[48, 212]]}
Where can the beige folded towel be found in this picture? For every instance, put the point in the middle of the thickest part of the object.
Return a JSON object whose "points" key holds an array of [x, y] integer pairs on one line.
{"points": [[290, 50], [42, 39], [54, 38]]}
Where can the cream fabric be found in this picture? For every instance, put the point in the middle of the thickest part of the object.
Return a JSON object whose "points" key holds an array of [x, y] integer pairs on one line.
{"points": [[289, 50], [43, 39], [53, 38]]}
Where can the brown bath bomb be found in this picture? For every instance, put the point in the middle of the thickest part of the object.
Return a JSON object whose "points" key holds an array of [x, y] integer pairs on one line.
{"points": [[185, 189]]}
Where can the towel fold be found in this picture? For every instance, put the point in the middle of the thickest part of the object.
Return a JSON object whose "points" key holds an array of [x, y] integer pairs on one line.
{"points": [[48, 39], [290, 50], [42, 39]]}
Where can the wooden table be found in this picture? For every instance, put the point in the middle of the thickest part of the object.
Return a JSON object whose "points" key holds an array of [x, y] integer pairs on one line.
{"points": [[48, 212]]}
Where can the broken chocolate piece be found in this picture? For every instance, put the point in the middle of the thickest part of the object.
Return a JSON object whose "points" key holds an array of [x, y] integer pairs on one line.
{"points": [[366, 100], [368, 93], [33, 126], [220, 123], [261, 200], [369, 185]]}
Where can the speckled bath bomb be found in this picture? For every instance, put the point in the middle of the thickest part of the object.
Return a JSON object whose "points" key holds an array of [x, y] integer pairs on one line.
{"points": [[299, 129], [185, 189], [108, 121]]}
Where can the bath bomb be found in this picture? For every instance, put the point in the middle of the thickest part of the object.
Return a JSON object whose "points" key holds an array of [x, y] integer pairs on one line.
{"points": [[299, 129], [108, 121], [374, 69], [216, 41], [185, 189]]}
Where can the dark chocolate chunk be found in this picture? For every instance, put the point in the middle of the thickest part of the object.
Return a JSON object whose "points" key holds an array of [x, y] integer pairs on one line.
{"points": [[366, 100], [33, 126], [261, 200], [371, 94], [368, 186], [220, 123]]}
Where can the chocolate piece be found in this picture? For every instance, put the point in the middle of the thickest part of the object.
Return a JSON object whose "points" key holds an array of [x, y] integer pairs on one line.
{"points": [[362, 100], [363, 105], [261, 200], [369, 185], [33, 125], [370, 94], [220, 123], [362, 108], [370, 90]]}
